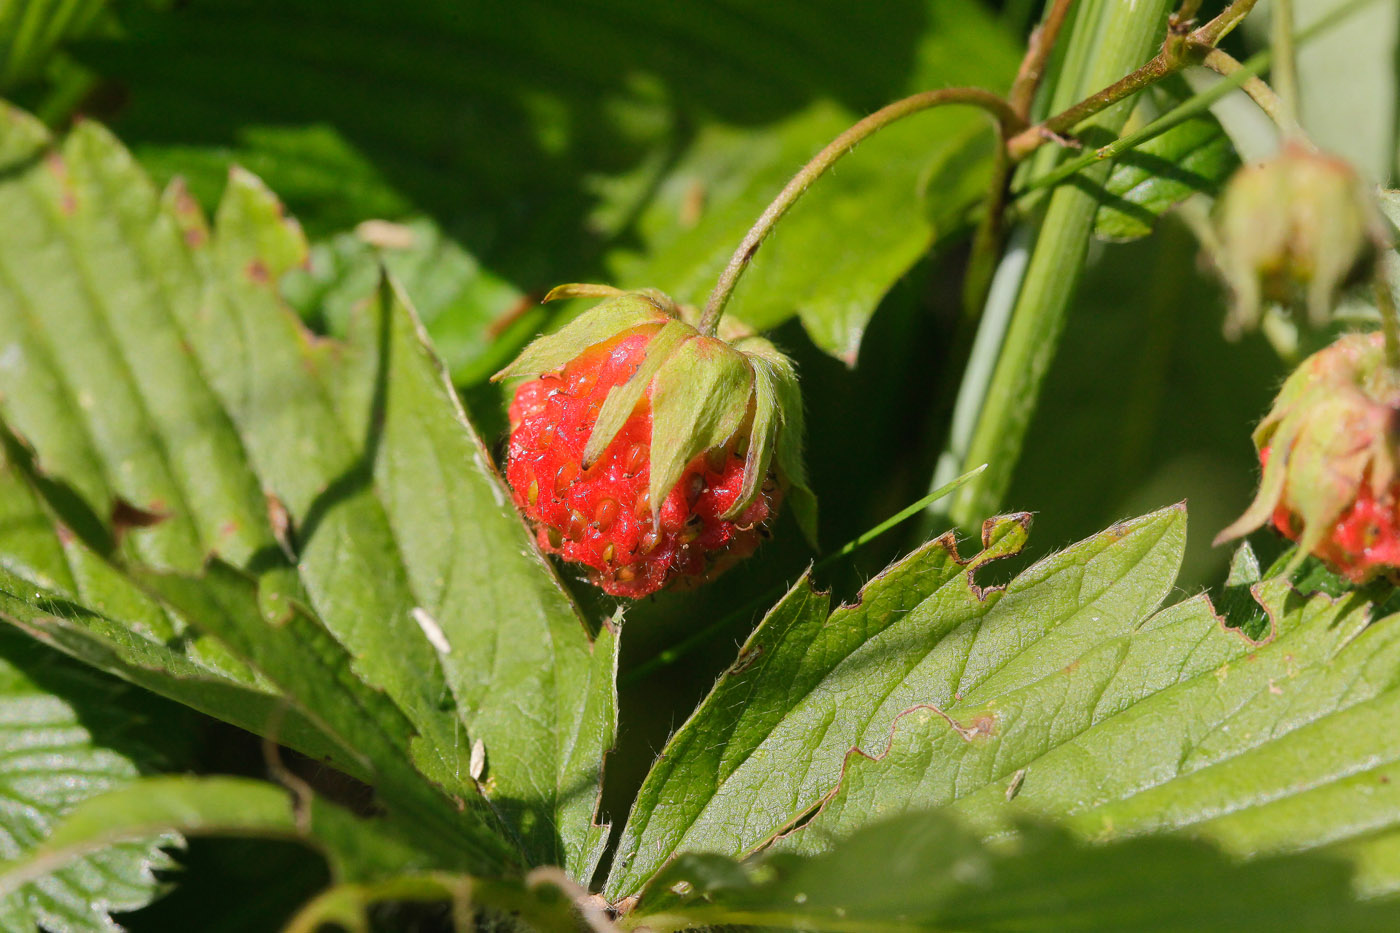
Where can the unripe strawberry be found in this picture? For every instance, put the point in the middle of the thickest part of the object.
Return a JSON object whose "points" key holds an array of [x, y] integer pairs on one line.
{"points": [[649, 453], [1330, 450], [1294, 230]]}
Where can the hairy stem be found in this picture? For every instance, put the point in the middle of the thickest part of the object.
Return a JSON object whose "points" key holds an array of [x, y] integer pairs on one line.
{"points": [[1007, 118], [1226, 65], [1177, 52], [1199, 103], [1038, 50]]}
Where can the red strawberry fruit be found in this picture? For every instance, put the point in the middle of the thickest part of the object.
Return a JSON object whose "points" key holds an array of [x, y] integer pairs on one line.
{"points": [[649, 453], [1330, 451]]}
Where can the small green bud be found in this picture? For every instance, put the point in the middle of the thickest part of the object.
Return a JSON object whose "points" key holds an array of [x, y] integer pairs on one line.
{"points": [[1294, 230]]}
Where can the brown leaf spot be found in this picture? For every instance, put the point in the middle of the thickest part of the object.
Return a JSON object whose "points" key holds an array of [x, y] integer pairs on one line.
{"points": [[746, 659], [126, 517], [257, 272], [984, 724], [281, 521]]}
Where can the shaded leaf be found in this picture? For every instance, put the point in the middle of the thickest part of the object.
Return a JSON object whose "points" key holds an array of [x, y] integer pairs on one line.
{"points": [[925, 871], [169, 807], [475, 318], [1194, 157], [577, 166], [70, 735]]}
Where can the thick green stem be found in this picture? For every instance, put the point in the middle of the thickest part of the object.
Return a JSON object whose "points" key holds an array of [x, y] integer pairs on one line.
{"points": [[1199, 103], [1107, 40], [1284, 72], [1007, 118], [987, 242]]}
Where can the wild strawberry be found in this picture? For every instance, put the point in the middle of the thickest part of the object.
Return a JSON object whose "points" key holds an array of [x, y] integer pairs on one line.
{"points": [[649, 453], [1330, 450]]}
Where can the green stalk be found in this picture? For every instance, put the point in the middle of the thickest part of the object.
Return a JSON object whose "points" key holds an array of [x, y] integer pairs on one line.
{"points": [[1106, 41], [1284, 73], [1390, 325], [1008, 121], [1197, 104]]}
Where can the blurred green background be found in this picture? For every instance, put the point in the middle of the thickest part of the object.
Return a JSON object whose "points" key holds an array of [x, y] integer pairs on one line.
{"points": [[517, 146]]}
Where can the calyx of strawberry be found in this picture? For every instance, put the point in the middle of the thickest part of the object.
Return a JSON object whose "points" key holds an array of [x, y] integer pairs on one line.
{"points": [[706, 393], [1331, 456], [1294, 230]]}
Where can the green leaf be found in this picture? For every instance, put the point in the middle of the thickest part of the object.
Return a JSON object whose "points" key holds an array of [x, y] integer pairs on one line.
{"points": [[1171, 724], [859, 228], [1194, 157], [70, 735], [523, 136], [474, 317], [345, 476], [925, 871], [157, 807], [771, 740], [168, 807]]}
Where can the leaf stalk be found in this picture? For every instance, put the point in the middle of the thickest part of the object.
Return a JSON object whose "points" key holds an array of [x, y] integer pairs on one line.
{"points": [[1007, 119]]}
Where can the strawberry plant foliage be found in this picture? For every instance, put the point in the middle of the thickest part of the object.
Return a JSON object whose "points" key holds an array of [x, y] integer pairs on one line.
{"points": [[344, 478], [306, 537], [593, 170], [1062, 696], [71, 734]]}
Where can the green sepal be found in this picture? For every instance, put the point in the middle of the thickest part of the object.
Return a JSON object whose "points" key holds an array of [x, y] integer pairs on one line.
{"points": [[777, 432], [1328, 431], [623, 399], [602, 322], [699, 400]]}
